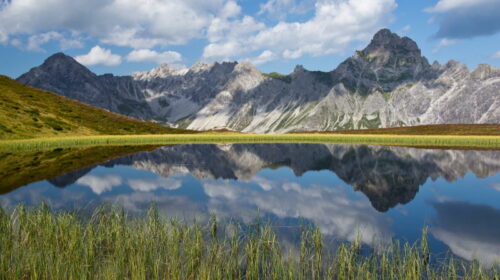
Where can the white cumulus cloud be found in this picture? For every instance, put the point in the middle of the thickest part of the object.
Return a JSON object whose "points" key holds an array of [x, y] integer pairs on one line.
{"points": [[145, 25], [99, 56], [133, 23], [36, 41], [264, 57], [231, 9], [147, 55], [334, 26]]}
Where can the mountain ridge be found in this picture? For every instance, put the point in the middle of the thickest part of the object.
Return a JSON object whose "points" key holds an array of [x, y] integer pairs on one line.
{"points": [[388, 83]]}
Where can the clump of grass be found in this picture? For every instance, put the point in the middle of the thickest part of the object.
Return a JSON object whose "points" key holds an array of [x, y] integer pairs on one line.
{"points": [[42, 244]]}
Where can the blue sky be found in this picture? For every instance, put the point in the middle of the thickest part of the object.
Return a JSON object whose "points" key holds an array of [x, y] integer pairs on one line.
{"points": [[124, 36]]}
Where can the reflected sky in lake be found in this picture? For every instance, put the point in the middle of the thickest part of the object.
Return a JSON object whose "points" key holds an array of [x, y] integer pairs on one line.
{"points": [[374, 193]]}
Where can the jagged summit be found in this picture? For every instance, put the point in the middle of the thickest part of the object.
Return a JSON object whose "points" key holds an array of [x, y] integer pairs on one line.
{"points": [[386, 63], [162, 71], [388, 49], [386, 40], [60, 56], [58, 66], [64, 63]]}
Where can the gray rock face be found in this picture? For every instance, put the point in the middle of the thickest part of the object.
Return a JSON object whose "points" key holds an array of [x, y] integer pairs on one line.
{"points": [[389, 83], [386, 63]]}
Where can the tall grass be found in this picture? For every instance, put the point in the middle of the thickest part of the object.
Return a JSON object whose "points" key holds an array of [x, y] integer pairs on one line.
{"points": [[41, 244], [492, 142]]}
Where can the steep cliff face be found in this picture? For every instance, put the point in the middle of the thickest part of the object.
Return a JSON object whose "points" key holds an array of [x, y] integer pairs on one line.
{"points": [[389, 83]]}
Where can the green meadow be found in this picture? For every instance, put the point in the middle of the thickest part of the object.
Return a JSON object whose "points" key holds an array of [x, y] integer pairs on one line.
{"points": [[448, 141], [107, 244]]}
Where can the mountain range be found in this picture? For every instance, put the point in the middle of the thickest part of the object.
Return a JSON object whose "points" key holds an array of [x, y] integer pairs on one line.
{"points": [[389, 83]]}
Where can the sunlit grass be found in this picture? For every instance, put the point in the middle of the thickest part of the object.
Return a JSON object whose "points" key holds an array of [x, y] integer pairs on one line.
{"points": [[216, 138], [41, 244], [27, 112]]}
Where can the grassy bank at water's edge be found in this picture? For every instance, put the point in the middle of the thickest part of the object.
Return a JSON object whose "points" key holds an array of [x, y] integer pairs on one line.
{"points": [[41, 244], [450, 141]]}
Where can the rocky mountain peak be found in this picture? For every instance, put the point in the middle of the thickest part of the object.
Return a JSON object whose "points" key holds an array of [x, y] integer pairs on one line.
{"points": [[386, 63], [58, 57], [201, 66], [299, 69], [62, 63], [388, 49], [245, 67], [58, 67], [385, 40], [224, 67]]}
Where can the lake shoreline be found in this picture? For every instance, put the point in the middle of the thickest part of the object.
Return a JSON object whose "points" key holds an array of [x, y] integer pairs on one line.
{"points": [[423, 141]]}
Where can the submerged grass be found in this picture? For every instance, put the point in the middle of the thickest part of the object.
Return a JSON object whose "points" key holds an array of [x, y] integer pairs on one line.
{"points": [[458, 141], [42, 244]]}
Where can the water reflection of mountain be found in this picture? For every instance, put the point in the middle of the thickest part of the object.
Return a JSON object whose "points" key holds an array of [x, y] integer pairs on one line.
{"points": [[386, 175]]}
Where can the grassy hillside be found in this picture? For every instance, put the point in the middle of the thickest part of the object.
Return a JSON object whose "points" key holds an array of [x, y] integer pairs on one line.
{"points": [[435, 129], [26, 112]]}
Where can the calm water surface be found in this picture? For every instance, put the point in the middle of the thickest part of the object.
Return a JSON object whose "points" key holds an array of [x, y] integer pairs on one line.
{"points": [[370, 192]]}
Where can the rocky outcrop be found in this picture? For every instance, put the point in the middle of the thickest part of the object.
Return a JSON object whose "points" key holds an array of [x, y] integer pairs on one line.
{"points": [[389, 83]]}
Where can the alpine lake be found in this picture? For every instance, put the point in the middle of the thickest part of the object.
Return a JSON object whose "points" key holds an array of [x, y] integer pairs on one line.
{"points": [[374, 194]]}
